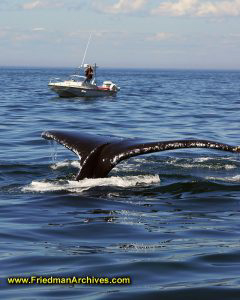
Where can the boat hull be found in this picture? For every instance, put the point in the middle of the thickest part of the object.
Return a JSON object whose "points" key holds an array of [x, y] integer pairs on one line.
{"points": [[69, 92]]}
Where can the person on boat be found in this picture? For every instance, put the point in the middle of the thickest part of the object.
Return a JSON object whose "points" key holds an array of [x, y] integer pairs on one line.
{"points": [[88, 73]]}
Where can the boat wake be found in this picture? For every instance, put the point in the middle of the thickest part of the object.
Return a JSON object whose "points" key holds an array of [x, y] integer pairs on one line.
{"points": [[86, 184]]}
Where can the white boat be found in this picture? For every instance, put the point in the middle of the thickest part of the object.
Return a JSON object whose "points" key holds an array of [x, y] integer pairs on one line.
{"points": [[81, 86]]}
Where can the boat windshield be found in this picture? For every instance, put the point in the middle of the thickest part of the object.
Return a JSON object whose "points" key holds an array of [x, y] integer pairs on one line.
{"points": [[77, 78]]}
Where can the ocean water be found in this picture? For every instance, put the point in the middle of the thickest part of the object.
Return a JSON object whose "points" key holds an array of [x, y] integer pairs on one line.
{"points": [[170, 221]]}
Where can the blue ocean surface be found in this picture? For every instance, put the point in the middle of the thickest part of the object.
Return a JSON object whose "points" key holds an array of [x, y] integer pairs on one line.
{"points": [[170, 221]]}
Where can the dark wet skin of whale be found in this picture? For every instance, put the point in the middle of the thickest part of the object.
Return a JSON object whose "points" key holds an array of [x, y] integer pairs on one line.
{"points": [[100, 154]]}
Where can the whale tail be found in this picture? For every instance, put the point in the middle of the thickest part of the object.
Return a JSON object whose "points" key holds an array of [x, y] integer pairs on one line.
{"points": [[100, 154]]}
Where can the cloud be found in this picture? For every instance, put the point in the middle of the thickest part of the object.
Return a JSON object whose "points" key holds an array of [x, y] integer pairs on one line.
{"points": [[38, 29], [160, 36], [220, 8], [14, 35], [198, 8], [39, 4], [121, 6], [194, 8], [31, 5], [179, 8]]}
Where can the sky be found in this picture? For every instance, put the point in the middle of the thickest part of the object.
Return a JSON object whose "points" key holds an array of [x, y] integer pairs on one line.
{"points": [[184, 34]]}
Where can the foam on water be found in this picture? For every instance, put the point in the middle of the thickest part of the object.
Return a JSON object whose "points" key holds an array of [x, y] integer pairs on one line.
{"points": [[64, 164], [202, 162], [130, 165], [213, 167], [235, 178], [202, 159], [83, 185]]}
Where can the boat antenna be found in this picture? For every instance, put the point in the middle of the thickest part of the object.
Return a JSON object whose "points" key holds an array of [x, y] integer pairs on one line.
{"points": [[86, 49]]}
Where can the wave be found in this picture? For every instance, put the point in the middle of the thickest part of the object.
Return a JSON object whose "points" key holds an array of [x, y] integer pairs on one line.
{"points": [[202, 162], [86, 184], [235, 178]]}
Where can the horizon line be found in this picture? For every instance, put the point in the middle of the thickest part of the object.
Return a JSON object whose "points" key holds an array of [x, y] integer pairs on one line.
{"points": [[128, 68]]}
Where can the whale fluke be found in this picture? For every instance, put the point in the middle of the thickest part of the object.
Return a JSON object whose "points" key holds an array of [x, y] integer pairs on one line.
{"points": [[99, 154]]}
